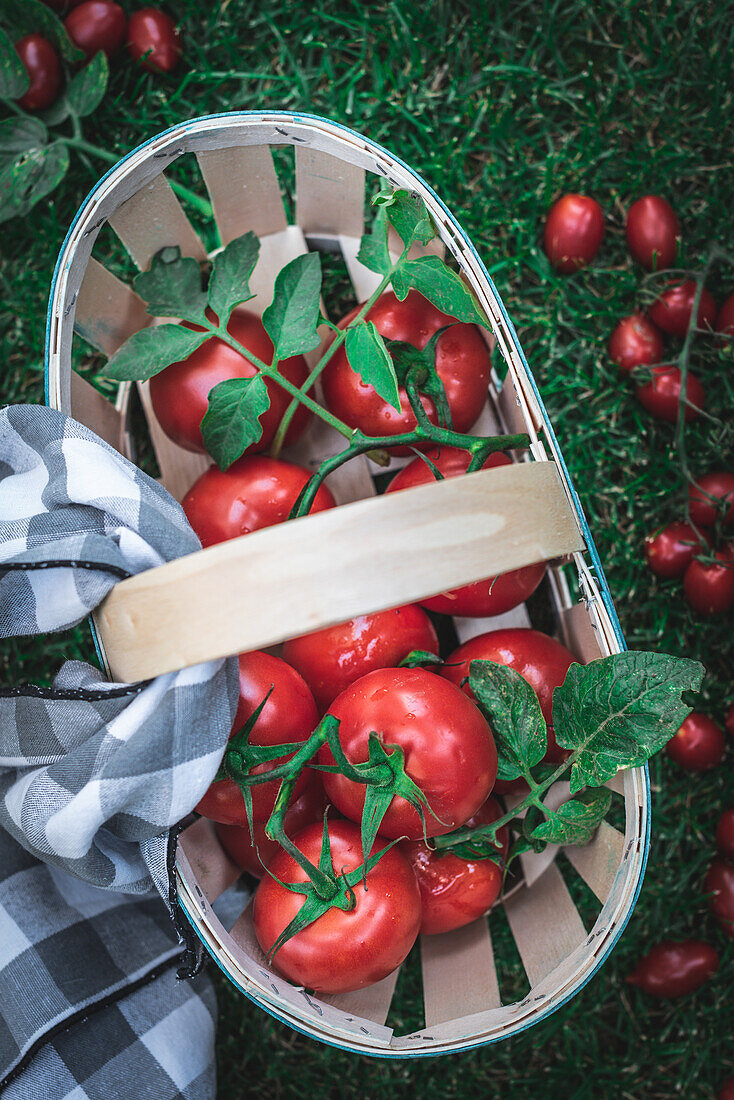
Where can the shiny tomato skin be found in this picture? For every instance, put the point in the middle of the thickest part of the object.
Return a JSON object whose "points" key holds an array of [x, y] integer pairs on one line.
{"points": [[494, 595], [152, 30], [180, 393], [673, 969], [573, 232], [725, 833], [331, 659], [672, 311], [255, 492], [702, 510], [289, 715], [725, 317], [660, 395], [449, 748], [253, 853], [719, 882], [653, 232], [456, 891], [97, 25], [341, 951], [635, 342], [539, 659], [42, 64], [671, 550], [709, 588], [462, 363], [698, 744]]}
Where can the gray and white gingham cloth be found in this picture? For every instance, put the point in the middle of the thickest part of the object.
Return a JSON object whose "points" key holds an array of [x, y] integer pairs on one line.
{"points": [[93, 777]]}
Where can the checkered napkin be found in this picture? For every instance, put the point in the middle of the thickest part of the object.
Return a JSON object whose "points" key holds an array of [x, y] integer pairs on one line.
{"points": [[93, 775]]}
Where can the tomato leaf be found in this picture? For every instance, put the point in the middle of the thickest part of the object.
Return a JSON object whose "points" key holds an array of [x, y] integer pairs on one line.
{"points": [[513, 711], [373, 251], [232, 420], [151, 350], [28, 178], [229, 285], [419, 658], [408, 216], [34, 17], [20, 135], [171, 286], [616, 712], [369, 358], [291, 320], [86, 90], [14, 80], [440, 285], [576, 821]]}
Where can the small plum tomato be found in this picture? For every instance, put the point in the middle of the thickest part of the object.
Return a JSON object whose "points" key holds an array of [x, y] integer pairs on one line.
{"points": [[331, 659], [97, 25], [725, 833], [719, 883], [635, 342], [449, 749], [673, 969], [42, 64], [255, 492], [698, 745], [341, 950], [660, 396], [653, 232], [671, 550], [573, 232], [709, 586], [152, 37], [704, 510], [672, 311]]}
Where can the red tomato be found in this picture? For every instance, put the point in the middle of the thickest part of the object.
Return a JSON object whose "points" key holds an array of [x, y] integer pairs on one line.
{"points": [[635, 342], [725, 318], [255, 492], [289, 715], [340, 951], [180, 393], [331, 659], [41, 62], [725, 833], [462, 363], [703, 510], [97, 25], [449, 748], [674, 969], [456, 891], [653, 232], [660, 395], [671, 550], [573, 232], [698, 744], [494, 595], [153, 33], [719, 882], [253, 853], [540, 660], [709, 588], [672, 310], [726, 1090]]}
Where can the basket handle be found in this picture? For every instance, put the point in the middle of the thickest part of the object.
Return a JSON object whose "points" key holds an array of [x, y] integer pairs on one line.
{"points": [[258, 590]]}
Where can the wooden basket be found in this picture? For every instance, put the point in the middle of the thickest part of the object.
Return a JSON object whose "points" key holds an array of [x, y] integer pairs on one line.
{"points": [[196, 609]]}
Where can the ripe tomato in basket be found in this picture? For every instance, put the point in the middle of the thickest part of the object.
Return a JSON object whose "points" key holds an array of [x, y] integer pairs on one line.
{"points": [[331, 659], [341, 950], [457, 891], [255, 492], [288, 716], [449, 748], [462, 364], [180, 393], [492, 596]]}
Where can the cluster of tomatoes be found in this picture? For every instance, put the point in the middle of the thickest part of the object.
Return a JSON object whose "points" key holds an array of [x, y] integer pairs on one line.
{"points": [[95, 25]]}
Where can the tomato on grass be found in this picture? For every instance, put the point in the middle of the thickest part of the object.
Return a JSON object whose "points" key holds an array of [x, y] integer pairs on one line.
{"points": [[698, 745], [42, 64], [661, 395], [153, 40], [709, 586], [97, 25], [448, 747], [719, 883], [342, 950], [255, 492], [653, 232], [289, 715], [672, 311], [673, 969], [573, 232], [635, 342], [719, 485], [333, 658], [671, 550]]}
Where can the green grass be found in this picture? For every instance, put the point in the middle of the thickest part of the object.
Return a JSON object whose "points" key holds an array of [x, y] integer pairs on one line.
{"points": [[500, 107]]}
